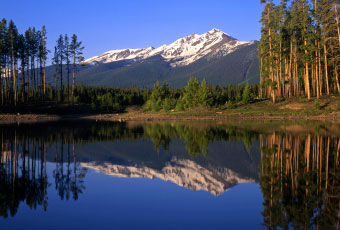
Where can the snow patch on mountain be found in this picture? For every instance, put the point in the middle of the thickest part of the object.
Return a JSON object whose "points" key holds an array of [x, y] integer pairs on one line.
{"points": [[183, 51], [118, 55]]}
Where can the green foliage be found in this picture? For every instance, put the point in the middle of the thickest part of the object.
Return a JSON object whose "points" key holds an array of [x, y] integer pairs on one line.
{"points": [[230, 105], [204, 94], [317, 104], [160, 98], [247, 96], [168, 104], [197, 94], [180, 105]]}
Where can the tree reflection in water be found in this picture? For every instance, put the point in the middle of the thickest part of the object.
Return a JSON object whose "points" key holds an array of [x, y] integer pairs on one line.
{"points": [[23, 176], [27, 148], [300, 181]]}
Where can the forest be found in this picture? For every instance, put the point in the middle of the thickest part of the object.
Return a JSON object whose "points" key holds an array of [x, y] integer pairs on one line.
{"points": [[23, 59], [299, 50]]}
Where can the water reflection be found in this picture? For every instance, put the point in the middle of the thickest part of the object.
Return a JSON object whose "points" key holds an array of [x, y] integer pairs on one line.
{"points": [[296, 165], [69, 179], [300, 181], [23, 176]]}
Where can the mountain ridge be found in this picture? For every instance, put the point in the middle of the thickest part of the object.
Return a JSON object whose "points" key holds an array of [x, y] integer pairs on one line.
{"points": [[186, 50], [214, 55]]}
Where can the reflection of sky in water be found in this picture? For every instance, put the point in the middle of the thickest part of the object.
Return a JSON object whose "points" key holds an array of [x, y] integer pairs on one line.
{"points": [[127, 203]]}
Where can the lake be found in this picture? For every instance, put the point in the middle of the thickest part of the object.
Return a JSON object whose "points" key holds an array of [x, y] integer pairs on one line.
{"points": [[170, 175]]}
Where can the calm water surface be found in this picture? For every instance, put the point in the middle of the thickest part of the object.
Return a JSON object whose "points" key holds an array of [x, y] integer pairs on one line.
{"points": [[232, 175]]}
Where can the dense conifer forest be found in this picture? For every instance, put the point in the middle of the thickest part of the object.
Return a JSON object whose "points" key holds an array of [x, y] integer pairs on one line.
{"points": [[300, 49]]}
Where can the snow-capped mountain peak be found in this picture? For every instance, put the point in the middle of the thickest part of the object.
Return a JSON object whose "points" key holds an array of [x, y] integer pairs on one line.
{"points": [[181, 52]]}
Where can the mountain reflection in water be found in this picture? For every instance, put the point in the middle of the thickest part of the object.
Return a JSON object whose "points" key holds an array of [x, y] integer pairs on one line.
{"points": [[296, 164]]}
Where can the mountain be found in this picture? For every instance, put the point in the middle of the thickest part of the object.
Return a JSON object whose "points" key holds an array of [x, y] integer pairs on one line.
{"points": [[214, 55], [182, 52]]}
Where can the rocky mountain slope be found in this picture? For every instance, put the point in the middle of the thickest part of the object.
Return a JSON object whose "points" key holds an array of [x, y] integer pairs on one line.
{"points": [[182, 52], [214, 55]]}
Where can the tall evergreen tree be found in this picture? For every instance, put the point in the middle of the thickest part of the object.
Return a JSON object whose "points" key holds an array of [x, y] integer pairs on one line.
{"points": [[61, 54], [22, 56], [56, 63], [68, 62], [3, 51], [299, 48], [43, 56], [12, 39], [76, 52]]}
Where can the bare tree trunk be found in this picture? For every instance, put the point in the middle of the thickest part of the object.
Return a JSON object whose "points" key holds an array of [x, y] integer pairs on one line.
{"points": [[337, 22], [73, 76], [326, 68], [44, 79], [337, 78], [320, 70], [307, 86], [14, 77]]}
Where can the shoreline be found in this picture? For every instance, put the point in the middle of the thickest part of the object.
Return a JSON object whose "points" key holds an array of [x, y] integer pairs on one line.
{"points": [[149, 117]]}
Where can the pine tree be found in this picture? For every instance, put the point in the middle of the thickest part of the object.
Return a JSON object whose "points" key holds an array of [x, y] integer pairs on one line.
{"points": [[190, 96], [28, 37], [61, 55], [76, 51], [204, 94], [56, 63], [22, 56], [247, 96], [299, 48], [43, 56], [68, 62], [3, 49], [12, 39]]}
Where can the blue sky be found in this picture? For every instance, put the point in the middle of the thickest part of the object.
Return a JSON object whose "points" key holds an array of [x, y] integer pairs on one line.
{"points": [[104, 25]]}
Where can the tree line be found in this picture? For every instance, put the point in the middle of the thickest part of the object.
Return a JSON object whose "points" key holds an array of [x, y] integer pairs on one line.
{"points": [[299, 50], [23, 59], [198, 94]]}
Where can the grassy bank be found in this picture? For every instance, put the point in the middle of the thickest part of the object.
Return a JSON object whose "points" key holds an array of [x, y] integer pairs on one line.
{"points": [[327, 108]]}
